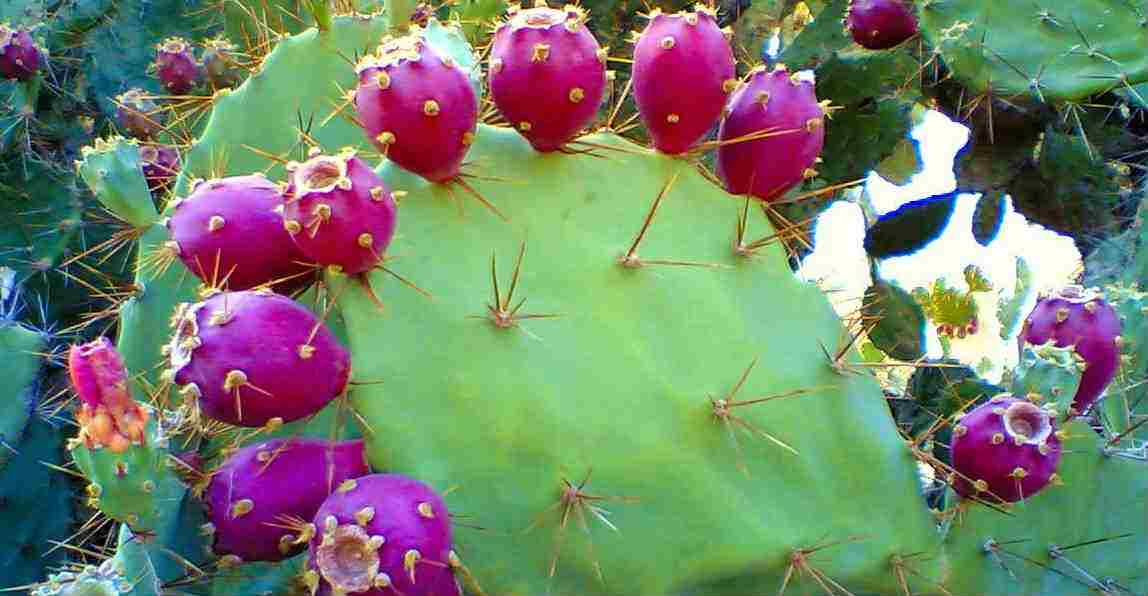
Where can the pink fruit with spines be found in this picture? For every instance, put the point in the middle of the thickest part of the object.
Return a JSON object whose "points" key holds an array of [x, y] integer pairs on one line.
{"points": [[138, 114], [338, 211], [547, 74], [20, 58], [1005, 450], [176, 67], [682, 74], [382, 535], [1081, 319], [771, 135], [417, 107], [260, 486], [252, 357], [880, 24], [230, 230], [160, 166]]}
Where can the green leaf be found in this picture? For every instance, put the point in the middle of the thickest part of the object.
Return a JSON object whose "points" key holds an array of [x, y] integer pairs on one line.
{"points": [[988, 217], [900, 327], [909, 227]]}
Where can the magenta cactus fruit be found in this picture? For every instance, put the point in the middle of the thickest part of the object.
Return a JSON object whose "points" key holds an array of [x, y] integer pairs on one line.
{"points": [[417, 107], [382, 535], [254, 356], [771, 135], [880, 24], [1005, 450], [547, 74], [683, 71], [138, 115], [259, 488], [160, 166], [107, 416], [338, 211], [1081, 319], [175, 66], [212, 232], [20, 58]]}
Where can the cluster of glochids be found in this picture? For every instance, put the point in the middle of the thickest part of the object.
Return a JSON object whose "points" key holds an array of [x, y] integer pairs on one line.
{"points": [[366, 532], [548, 76], [880, 24], [179, 72], [20, 57]]}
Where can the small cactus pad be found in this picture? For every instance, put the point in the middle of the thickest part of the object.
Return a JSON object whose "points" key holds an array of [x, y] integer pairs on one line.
{"points": [[338, 211], [253, 356], [215, 228], [1082, 319], [880, 24], [683, 72], [383, 534], [548, 74], [1004, 450], [417, 106], [113, 169], [771, 135], [259, 490]]}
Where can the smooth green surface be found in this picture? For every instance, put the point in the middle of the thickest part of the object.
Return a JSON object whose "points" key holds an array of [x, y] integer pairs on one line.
{"points": [[20, 361], [1052, 372], [114, 172]]}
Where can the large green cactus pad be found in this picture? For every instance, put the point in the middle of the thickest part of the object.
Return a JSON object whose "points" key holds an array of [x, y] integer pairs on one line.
{"points": [[1046, 50]]}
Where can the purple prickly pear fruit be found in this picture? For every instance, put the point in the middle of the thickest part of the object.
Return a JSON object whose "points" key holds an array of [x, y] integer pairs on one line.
{"points": [[175, 66], [417, 107], [381, 535], [1005, 450], [547, 74], [160, 165], [683, 71], [138, 114], [19, 57], [253, 356], [338, 211], [259, 488], [880, 24], [771, 135], [108, 416], [212, 232], [1081, 319], [220, 67]]}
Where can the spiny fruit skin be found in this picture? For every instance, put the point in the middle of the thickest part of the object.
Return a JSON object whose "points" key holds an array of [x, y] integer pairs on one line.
{"points": [[138, 115], [252, 356], [19, 57], [1007, 446], [1081, 319], [160, 166], [683, 71], [880, 24], [417, 107], [547, 74], [175, 66], [260, 485], [228, 229], [768, 167], [108, 416], [339, 212], [220, 67], [381, 535]]}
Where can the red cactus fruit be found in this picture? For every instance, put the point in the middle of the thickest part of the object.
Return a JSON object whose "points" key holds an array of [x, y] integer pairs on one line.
{"points": [[683, 71], [160, 166], [20, 58], [381, 535], [547, 74], [880, 24], [338, 211], [214, 230], [1083, 320], [108, 416], [138, 115], [253, 356], [175, 66], [1005, 450], [417, 107], [260, 488], [771, 135]]}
